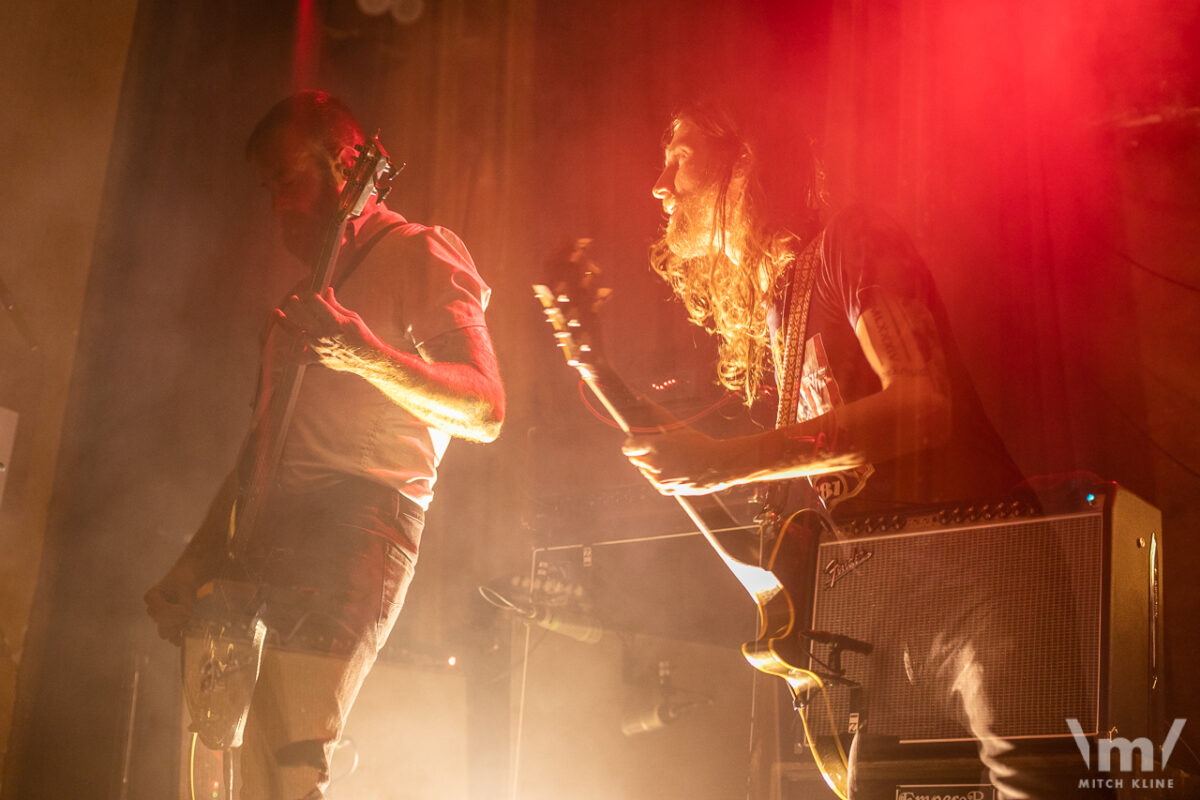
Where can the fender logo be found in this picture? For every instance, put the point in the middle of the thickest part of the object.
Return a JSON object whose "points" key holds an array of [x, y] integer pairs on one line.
{"points": [[839, 568]]}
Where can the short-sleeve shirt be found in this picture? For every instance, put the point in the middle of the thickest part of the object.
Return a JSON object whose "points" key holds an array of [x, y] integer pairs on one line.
{"points": [[414, 284], [862, 256]]}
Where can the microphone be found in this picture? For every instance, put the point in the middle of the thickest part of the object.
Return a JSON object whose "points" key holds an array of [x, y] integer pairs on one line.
{"points": [[663, 709], [657, 716], [838, 641], [576, 625], [580, 627]]}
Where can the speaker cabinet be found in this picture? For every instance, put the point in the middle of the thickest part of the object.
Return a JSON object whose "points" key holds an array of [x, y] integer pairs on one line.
{"points": [[1061, 612], [629, 682]]}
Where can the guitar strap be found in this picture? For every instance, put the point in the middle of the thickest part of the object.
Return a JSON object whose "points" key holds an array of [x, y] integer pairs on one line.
{"points": [[796, 301], [790, 366], [788, 352], [361, 251], [787, 349]]}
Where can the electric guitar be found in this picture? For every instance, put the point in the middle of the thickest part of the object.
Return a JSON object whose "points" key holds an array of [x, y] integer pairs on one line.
{"points": [[788, 552]]}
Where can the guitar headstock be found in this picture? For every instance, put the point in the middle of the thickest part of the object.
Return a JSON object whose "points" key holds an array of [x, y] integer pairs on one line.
{"points": [[578, 354], [571, 302], [371, 173]]}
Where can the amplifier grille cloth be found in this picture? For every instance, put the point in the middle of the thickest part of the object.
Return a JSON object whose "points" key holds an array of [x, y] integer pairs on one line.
{"points": [[1024, 595]]}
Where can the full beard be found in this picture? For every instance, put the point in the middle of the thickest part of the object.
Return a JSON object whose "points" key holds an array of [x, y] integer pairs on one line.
{"points": [[691, 230]]}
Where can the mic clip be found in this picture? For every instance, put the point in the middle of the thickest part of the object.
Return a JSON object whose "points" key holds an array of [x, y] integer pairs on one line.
{"points": [[837, 643]]}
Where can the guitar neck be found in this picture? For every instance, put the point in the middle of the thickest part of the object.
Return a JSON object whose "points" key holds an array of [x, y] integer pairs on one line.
{"points": [[266, 441], [322, 276], [625, 407], [706, 513], [634, 415], [263, 449]]}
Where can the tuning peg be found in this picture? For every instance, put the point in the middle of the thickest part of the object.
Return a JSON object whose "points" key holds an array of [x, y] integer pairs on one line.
{"points": [[383, 186]]}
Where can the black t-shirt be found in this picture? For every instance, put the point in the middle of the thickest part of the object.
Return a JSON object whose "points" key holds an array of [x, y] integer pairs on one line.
{"points": [[863, 256]]}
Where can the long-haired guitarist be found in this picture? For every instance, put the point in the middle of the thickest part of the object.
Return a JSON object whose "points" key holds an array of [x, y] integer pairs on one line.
{"points": [[876, 408], [400, 361]]}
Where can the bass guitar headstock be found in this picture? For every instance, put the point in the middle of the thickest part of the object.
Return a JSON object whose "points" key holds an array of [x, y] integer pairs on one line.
{"points": [[371, 173]]}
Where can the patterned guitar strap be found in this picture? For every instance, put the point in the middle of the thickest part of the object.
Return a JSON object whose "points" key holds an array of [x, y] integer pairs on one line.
{"points": [[794, 328], [787, 351]]}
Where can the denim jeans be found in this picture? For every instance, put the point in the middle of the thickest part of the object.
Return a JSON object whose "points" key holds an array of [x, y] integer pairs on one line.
{"points": [[333, 568]]}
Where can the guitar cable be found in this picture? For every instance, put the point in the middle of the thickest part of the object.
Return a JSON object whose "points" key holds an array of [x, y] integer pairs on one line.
{"points": [[839, 784], [192, 766], [502, 603], [839, 787]]}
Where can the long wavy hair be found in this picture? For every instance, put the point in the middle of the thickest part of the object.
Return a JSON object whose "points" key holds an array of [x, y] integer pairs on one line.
{"points": [[726, 297]]}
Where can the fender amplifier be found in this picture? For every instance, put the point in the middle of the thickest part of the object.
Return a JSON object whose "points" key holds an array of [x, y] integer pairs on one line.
{"points": [[1031, 618]]}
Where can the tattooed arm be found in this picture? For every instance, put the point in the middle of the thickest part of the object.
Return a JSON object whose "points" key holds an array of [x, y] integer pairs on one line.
{"points": [[452, 383], [911, 412]]}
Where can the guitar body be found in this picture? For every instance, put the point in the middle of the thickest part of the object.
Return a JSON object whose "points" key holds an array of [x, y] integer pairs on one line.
{"points": [[779, 649]]}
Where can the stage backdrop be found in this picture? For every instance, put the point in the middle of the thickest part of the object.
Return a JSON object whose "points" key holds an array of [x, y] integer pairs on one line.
{"points": [[1044, 156]]}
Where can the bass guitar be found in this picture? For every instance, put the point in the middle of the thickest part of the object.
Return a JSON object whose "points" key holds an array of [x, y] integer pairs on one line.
{"points": [[777, 572], [223, 641], [259, 460]]}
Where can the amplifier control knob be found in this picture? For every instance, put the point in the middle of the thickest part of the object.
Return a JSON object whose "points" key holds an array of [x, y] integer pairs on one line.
{"points": [[897, 522]]}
